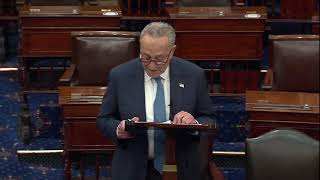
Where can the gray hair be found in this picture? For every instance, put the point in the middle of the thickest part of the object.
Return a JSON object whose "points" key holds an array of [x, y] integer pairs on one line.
{"points": [[160, 29]]}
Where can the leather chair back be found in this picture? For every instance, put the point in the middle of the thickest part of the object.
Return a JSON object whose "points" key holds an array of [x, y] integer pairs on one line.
{"points": [[96, 53], [282, 154], [296, 64]]}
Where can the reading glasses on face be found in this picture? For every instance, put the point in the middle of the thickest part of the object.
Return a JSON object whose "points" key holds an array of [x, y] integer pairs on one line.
{"points": [[156, 60]]}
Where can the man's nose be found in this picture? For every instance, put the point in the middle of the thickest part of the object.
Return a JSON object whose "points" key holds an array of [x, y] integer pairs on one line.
{"points": [[152, 65]]}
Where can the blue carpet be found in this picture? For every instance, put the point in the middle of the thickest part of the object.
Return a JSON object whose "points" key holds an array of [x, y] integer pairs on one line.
{"points": [[10, 165], [46, 116]]}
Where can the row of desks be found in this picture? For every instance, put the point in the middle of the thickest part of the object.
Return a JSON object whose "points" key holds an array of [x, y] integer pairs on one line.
{"points": [[267, 110], [202, 33], [231, 35]]}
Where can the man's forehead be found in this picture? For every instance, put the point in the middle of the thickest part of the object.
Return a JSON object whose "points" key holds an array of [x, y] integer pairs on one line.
{"points": [[157, 40]]}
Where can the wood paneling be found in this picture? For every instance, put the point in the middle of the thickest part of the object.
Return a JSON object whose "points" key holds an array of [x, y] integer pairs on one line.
{"points": [[271, 109]]}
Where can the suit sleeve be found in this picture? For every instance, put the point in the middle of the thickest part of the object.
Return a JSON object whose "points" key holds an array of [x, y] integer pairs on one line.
{"points": [[205, 113], [108, 117]]}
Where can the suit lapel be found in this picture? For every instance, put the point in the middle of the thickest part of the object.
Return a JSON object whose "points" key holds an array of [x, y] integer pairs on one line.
{"points": [[177, 83]]}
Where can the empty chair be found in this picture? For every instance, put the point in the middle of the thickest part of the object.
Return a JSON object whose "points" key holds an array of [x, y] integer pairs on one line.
{"points": [[95, 53], [282, 154], [294, 63]]}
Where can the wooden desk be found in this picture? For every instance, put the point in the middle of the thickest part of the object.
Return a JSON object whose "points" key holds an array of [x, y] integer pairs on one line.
{"points": [[46, 29], [315, 24], [46, 32], [226, 35], [271, 109], [79, 112], [218, 33]]}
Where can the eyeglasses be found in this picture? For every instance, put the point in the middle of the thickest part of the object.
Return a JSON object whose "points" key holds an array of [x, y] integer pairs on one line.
{"points": [[157, 60]]}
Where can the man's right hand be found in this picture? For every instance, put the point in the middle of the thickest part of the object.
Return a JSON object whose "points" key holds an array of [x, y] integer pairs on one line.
{"points": [[121, 133]]}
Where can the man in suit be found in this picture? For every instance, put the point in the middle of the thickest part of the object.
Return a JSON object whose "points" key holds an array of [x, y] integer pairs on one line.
{"points": [[133, 93]]}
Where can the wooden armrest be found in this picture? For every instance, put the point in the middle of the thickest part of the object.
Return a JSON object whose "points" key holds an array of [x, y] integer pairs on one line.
{"points": [[67, 75], [268, 80]]}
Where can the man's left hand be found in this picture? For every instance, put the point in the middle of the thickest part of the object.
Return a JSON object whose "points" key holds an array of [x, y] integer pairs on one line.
{"points": [[183, 117]]}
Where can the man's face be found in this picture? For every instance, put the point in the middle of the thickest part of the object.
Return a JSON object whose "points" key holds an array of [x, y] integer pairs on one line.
{"points": [[155, 54]]}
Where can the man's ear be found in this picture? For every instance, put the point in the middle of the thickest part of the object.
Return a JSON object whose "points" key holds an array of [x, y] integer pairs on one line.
{"points": [[173, 49]]}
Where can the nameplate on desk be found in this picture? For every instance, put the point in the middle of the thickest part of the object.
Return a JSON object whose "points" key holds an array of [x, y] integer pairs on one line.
{"points": [[77, 97], [264, 106], [109, 12], [252, 16], [54, 10]]}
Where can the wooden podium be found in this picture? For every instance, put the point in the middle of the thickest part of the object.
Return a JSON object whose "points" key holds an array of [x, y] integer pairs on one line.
{"points": [[169, 170]]}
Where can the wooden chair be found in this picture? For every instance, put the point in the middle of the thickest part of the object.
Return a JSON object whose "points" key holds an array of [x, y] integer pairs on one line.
{"points": [[294, 63]]}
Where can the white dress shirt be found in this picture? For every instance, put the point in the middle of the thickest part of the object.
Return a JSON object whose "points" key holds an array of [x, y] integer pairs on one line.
{"points": [[150, 88]]}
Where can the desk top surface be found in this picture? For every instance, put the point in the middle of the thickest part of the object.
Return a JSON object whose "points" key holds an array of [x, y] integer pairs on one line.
{"points": [[81, 95], [253, 12], [275, 101], [70, 11]]}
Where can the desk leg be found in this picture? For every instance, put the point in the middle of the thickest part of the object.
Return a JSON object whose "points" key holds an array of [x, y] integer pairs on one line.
{"points": [[97, 167], [169, 170], [82, 167], [68, 167]]}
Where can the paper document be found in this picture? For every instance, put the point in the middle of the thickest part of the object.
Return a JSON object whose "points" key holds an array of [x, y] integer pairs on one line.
{"points": [[170, 122]]}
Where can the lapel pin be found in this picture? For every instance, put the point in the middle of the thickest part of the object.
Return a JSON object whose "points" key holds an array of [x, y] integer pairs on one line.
{"points": [[181, 85]]}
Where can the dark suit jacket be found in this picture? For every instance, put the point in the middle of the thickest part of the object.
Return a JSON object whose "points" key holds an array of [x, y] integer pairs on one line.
{"points": [[125, 99]]}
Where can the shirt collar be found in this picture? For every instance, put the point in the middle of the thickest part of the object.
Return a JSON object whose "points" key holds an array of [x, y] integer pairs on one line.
{"points": [[164, 75]]}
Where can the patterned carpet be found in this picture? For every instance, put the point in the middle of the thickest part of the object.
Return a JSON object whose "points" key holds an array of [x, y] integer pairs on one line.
{"points": [[46, 116], [12, 166]]}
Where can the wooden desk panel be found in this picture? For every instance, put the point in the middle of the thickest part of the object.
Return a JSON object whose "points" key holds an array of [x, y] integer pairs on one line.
{"points": [[270, 109], [47, 33], [41, 43], [219, 45], [79, 117], [315, 24], [70, 22], [218, 32], [83, 136]]}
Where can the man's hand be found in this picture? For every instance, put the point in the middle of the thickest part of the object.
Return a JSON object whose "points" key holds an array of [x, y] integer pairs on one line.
{"points": [[121, 133], [183, 117]]}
